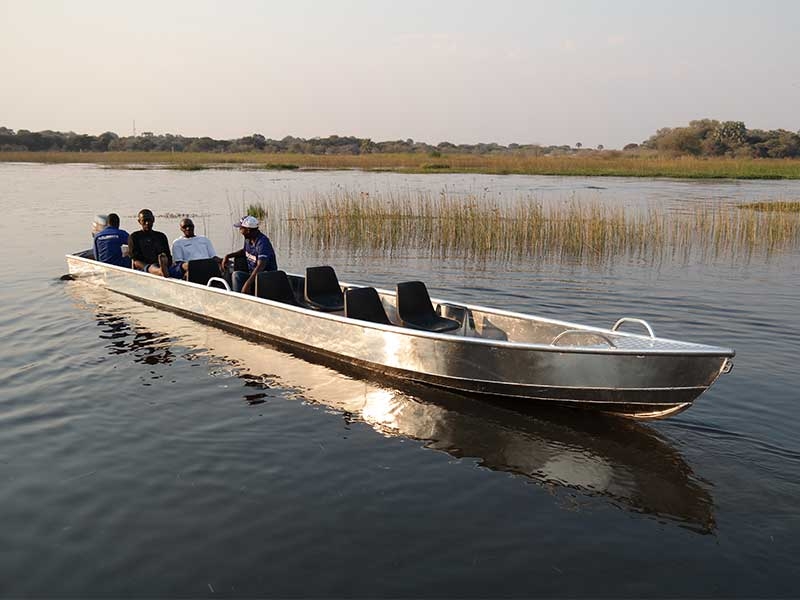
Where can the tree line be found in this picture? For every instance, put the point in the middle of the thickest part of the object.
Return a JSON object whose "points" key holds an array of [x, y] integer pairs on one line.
{"points": [[705, 137]]}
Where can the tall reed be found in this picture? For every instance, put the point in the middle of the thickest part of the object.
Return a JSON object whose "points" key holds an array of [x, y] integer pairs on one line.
{"points": [[257, 209], [482, 228]]}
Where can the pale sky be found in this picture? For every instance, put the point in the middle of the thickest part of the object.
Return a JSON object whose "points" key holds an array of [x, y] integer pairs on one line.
{"points": [[549, 72]]}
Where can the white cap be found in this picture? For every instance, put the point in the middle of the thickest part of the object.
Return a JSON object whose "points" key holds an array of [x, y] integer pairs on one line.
{"points": [[100, 222], [249, 221]]}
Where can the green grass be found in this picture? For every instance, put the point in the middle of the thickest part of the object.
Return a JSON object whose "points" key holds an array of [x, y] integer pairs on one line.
{"points": [[258, 210], [279, 167], [775, 206], [606, 163], [188, 167]]}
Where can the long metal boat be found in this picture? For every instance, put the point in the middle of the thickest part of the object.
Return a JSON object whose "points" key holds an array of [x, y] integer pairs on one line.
{"points": [[623, 462], [474, 350]]}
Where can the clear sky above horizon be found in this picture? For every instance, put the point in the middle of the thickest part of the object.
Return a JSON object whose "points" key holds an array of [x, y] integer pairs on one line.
{"points": [[596, 72]]}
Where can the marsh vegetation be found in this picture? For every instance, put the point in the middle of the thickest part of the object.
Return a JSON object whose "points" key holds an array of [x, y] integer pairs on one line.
{"points": [[776, 206], [482, 228], [606, 163], [256, 209]]}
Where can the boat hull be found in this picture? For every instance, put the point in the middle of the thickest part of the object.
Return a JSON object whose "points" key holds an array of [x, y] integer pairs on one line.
{"points": [[644, 385]]}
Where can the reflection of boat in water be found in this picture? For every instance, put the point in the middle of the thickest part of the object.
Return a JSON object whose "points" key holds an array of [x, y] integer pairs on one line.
{"points": [[471, 349], [624, 462]]}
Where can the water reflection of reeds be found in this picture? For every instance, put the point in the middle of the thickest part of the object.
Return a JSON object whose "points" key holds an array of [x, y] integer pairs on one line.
{"points": [[482, 228]]}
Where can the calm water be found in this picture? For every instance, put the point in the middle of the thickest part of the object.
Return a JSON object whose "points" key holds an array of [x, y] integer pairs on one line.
{"points": [[142, 454]]}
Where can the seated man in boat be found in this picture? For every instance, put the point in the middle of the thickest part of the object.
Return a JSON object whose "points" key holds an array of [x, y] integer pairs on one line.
{"points": [[258, 251], [191, 247], [149, 249], [109, 242]]}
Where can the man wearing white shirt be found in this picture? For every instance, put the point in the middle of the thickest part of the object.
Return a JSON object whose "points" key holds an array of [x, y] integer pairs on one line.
{"points": [[191, 246]]}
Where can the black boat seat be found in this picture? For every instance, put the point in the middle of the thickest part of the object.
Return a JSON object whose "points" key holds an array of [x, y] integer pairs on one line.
{"points": [[415, 310], [200, 271], [322, 290], [365, 304], [239, 264], [275, 285], [298, 285]]}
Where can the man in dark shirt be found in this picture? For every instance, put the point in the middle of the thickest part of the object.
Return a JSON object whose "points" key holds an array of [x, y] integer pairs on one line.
{"points": [[108, 243], [149, 249], [258, 251]]}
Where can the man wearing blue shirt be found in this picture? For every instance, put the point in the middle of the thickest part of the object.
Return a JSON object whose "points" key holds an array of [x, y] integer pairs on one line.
{"points": [[258, 251], [108, 243]]}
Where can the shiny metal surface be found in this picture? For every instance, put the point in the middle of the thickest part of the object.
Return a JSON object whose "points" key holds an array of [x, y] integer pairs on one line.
{"points": [[641, 322], [495, 353], [569, 332], [626, 463]]}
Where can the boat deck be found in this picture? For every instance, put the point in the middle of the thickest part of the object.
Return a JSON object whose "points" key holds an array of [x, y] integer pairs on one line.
{"points": [[492, 324]]}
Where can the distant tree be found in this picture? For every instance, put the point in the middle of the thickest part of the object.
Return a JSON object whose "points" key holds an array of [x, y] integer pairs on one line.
{"points": [[704, 128], [140, 143], [707, 137], [79, 143], [725, 138], [367, 146], [783, 144], [249, 143], [259, 141], [680, 140], [7, 138], [103, 141], [731, 133], [533, 149]]}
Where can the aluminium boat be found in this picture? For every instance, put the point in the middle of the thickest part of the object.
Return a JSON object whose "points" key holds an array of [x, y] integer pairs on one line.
{"points": [[490, 353], [583, 454]]}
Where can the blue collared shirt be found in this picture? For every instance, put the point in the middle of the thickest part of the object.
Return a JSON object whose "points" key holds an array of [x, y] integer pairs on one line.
{"points": [[260, 248], [108, 246]]}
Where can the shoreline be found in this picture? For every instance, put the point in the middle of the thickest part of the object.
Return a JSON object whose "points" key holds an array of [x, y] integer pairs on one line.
{"points": [[596, 164]]}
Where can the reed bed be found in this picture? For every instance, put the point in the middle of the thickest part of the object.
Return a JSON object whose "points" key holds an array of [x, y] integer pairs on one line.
{"points": [[480, 228], [775, 206], [606, 163], [256, 209]]}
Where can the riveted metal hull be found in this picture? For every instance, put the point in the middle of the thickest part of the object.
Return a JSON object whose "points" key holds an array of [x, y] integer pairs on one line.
{"points": [[498, 357]]}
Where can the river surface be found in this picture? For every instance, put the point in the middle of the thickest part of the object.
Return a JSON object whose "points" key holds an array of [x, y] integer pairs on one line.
{"points": [[143, 454]]}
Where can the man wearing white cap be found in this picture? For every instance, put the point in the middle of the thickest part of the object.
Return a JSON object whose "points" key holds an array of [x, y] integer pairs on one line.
{"points": [[258, 251]]}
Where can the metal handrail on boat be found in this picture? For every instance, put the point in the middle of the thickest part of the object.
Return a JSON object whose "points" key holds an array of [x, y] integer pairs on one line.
{"points": [[633, 320], [218, 280], [596, 334]]}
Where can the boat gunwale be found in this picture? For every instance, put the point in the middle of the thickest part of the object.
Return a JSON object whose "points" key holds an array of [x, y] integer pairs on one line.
{"points": [[697, 350]]}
